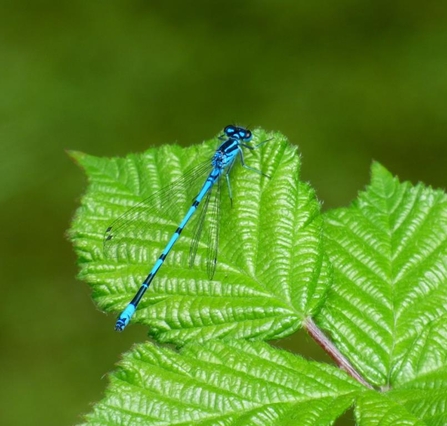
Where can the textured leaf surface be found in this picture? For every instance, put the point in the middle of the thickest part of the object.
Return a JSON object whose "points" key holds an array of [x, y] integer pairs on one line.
{"points": [[233, 383], [387, 310], [416, 407], [270, 275]]}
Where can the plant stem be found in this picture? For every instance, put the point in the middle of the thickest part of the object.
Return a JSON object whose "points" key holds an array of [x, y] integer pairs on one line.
{"points": [[333, 352]]}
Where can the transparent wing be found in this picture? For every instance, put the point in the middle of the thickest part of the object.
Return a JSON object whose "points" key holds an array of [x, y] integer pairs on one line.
{"points": [[213, 231], [198, 228], [157, 208], [207, 229]]}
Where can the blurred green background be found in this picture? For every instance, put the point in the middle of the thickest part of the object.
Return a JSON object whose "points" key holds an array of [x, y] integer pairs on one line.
{"points": [[347, 81]]}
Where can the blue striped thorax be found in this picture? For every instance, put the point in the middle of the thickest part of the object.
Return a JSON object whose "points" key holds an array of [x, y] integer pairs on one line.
{"points": [[227, 151]]}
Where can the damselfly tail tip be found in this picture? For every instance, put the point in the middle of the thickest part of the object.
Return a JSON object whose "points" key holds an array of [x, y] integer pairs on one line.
{"points": [[125, 317], [120, 325]]}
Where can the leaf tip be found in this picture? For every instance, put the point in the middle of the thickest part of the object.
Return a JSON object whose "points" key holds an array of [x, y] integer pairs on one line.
{"points": [[378, 169], [77, 156], [380, 174]]}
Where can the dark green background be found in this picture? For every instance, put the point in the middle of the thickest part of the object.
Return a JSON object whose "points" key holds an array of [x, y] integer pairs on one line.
{"points": [[347, 81]]}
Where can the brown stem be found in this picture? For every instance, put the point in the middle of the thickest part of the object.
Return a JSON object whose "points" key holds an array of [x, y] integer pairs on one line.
{"points": [[333, 352]]}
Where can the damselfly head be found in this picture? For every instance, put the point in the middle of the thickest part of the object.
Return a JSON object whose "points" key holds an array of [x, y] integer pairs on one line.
{"points": [[239, 133]]}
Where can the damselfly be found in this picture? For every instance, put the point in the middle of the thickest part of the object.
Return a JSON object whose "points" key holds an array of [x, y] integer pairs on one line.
{"points": [[234, 140]]}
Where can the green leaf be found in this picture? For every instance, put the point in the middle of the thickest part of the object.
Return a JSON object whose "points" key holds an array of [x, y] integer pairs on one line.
{"points": [[387, 309], [418, 407], [271, 273], [223, 383]]}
